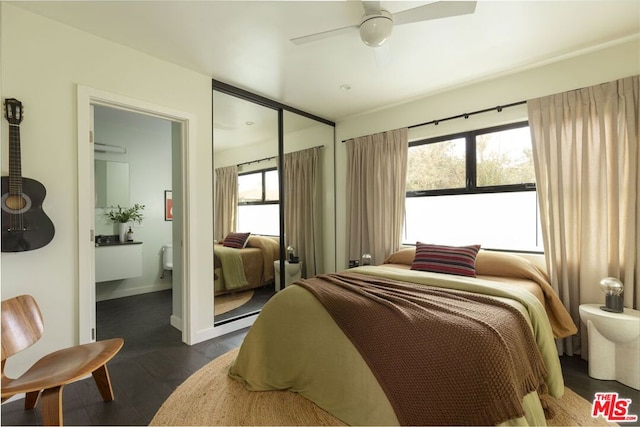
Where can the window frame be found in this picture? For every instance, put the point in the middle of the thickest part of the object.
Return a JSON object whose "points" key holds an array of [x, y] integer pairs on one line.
{"points": [[471, 186], [262, 172]]}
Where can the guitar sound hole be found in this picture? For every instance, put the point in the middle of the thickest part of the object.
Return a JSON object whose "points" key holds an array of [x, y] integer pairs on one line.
{"points": [[16, 204]]}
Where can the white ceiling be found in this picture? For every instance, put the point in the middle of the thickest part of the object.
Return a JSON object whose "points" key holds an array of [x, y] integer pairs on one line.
{"points": [[240, 123], [246, 44]]}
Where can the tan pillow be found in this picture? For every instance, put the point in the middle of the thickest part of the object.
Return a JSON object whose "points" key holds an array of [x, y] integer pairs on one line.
{"points": [[403, 256], [492, 263]]}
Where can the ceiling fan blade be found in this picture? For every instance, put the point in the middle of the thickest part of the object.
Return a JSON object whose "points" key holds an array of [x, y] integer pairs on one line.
{"points": [[437, 10], [323, 35], [371, 7]]}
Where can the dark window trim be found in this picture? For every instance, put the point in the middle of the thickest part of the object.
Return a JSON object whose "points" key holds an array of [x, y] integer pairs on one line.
{"points": [[436, 139], [262, 172], [471, 163], [512, 188], [266, 202]]}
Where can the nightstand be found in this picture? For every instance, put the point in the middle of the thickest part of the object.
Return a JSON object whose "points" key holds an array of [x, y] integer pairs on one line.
{"points": [[293, 272], [614, 344]]}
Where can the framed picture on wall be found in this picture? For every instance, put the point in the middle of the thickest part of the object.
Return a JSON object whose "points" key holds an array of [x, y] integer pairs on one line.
{"points": [[168, 206]]}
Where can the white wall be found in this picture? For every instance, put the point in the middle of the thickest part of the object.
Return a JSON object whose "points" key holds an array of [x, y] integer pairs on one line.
{"points": [[598, 66], [42, 63], [147, 140]]}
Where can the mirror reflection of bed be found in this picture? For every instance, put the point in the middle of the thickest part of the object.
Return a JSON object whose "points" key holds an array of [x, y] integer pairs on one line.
{"points": [[244, 274]]}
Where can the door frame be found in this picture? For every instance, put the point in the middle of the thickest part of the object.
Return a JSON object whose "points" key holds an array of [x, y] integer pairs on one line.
{"points": [[86, 97]]}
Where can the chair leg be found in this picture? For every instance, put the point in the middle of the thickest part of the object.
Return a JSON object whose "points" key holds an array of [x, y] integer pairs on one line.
{"points": [[52, 406], [101, 376], [31, 399]]}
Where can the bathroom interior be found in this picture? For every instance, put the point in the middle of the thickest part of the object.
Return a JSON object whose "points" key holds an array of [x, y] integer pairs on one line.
{"points": [[133, 165]]}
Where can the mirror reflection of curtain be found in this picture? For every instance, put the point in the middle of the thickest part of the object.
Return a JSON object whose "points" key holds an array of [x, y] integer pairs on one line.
{"points": [[376, 183], [226, 201], [586, 156], [303, 228]]}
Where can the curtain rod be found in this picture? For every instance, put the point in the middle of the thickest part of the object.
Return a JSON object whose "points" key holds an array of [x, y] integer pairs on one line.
{"points": [[499, 108], [257, 161], [273, 157]]}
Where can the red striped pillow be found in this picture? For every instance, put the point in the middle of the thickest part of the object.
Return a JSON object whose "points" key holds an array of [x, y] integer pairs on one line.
{"points": [[459, 260], [236, 240]]}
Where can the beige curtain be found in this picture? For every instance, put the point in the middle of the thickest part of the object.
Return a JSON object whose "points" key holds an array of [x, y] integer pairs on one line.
{"points": [[376, 183], [303, 228], [586, 157], [226, 201]]}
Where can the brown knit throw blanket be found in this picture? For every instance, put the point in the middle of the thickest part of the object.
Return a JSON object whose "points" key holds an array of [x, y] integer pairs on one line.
{"points": [[442, 357]]}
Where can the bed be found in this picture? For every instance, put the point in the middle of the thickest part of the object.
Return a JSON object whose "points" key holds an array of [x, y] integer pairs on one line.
{"points": [[301, 344], [246, 267]]}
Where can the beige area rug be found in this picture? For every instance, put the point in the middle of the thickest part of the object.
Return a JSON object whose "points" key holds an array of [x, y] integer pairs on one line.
{"points": [[225, 303], [211, 397]]}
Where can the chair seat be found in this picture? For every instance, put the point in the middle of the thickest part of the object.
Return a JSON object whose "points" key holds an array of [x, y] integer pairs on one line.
{"points": [[63, 367]]}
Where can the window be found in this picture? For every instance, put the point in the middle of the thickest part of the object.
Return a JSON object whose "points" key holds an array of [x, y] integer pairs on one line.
{"points": [[258, 202], [504, 158], [475, 187], [436, 166]]}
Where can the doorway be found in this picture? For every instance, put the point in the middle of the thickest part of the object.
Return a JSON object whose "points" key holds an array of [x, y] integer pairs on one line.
{"points": [[132, 167], [181, 128]]}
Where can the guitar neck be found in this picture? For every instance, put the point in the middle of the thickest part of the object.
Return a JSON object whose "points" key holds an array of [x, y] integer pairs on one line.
{"points": [[15, 166]]}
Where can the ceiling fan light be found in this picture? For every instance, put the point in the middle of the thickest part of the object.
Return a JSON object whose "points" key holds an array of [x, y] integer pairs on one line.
{"points": [[375, 30]]}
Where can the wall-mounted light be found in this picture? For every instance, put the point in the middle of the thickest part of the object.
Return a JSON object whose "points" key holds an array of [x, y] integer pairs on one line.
{"points": [[104, 148], [612, 288]]}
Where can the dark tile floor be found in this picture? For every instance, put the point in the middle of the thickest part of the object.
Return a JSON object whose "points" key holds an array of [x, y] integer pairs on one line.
{"points": [[154, 362]]}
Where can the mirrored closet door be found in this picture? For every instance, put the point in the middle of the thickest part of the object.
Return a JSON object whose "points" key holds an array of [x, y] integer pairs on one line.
{"points": [[309, 222], [273, 220], [246, 205]]}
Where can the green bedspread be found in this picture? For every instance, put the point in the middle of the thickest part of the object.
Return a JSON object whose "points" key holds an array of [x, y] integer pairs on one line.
{"points": [[232, 265], [295, 344]]}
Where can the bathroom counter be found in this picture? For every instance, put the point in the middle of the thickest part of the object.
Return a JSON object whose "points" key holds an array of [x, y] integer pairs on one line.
{"points": [[117, 243]]}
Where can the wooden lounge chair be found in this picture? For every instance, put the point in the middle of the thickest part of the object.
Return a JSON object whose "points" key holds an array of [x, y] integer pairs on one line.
{"points": [[22, 326]]}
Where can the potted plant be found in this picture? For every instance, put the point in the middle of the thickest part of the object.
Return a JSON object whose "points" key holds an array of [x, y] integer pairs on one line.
{"points": [[122, 216]]}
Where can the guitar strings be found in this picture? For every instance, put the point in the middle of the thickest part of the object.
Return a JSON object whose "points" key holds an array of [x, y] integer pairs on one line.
{"points": [[16, 195]]}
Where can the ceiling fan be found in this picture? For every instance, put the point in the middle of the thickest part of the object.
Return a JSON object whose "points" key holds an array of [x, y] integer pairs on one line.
{"points": [[377, 23]]}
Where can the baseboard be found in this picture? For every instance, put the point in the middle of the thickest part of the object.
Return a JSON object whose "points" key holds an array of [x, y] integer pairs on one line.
{"points": [[213, 332], [176, 322], [14, 398], [128, 292]]}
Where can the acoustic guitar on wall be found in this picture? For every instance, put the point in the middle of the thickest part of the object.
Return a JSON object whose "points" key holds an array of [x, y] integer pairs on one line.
{"points": [[25, 226]]}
